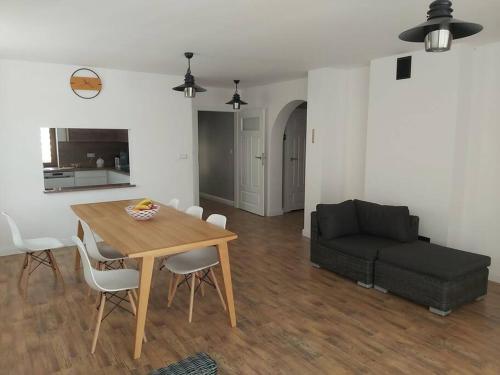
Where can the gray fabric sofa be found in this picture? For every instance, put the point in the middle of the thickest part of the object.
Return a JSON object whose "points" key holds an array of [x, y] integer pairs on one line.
{"points": [[378, 245], [346, 237]]}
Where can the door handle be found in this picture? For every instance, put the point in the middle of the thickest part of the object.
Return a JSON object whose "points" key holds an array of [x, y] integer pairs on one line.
{"points": [[294, 159], [261, 158]]}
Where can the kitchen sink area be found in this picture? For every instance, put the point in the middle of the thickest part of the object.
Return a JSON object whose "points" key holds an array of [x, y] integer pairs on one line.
{"points": [[82, 159]]}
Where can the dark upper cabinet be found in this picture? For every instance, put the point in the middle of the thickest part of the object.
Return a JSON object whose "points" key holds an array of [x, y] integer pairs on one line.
{"points": [[97, 135]]}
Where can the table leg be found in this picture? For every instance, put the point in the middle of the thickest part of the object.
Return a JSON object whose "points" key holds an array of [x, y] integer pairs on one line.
{"points": [[146, 270], [79, 233], [228, 284]]}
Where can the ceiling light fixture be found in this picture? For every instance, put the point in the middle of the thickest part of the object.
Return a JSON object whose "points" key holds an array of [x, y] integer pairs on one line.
{"points": [[189, 87], [236, 101], [440, 29]]}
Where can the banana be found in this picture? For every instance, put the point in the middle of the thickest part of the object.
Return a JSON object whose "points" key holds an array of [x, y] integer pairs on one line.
{"points": [[145, 204]]}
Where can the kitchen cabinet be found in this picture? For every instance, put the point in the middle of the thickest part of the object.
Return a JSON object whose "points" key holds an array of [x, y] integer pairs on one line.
{"points": [[97, 135], [117, 178], [89, 178]]}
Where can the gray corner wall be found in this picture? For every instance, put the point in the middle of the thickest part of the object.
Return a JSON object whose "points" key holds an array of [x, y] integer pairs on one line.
{"points": [[216, 153]]}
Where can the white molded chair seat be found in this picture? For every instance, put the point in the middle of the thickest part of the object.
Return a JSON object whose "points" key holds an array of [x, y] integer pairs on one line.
{"points": [[109, 252], [193, 261], [116, 280], [40, 244]]}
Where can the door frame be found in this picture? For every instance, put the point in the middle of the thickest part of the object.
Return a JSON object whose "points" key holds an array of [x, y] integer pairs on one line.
{"points": [[196, 166], [286, 166]]}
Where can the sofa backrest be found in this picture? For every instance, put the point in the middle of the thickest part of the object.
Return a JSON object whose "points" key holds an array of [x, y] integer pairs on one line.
{"points": [[384, 221], [337, 220], [355, 216]]}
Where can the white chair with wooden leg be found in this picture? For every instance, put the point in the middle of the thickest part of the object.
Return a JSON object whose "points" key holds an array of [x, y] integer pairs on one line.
{"points": [[174, 203], [196, 267], [105, 255], [195, 211], [38, 251], [109, 284]]}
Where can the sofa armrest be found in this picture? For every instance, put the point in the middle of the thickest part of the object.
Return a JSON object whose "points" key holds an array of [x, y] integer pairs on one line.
{"points": [[314, 226], [414, 224]]}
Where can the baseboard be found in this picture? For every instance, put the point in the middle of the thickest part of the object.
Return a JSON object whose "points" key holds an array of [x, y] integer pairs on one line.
{"points": [[216, 199]]}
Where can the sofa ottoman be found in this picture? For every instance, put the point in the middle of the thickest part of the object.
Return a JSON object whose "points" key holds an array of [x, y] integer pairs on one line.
{"points": [[432, 275]]}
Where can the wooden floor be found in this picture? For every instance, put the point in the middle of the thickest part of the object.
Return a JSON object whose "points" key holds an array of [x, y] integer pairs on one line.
{"points": [[292, 319]]}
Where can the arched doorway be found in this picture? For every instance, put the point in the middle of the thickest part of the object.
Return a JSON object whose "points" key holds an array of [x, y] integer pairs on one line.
{"points": [[276, 155], [294, 160]]}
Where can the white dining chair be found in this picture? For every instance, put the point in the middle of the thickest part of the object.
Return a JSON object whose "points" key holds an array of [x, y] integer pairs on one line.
{"points": [[105, 255], [37, 251], [174, 203], [195, 211], [195, 266], [109, 284]]}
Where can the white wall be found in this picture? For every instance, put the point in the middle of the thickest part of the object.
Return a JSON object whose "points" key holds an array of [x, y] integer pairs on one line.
{"points": [[411, 137], [433, 145], [274, 98], [34, 95], [337, 112]]}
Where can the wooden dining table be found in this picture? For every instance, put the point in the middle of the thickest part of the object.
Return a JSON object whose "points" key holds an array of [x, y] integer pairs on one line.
{"points": [[169, 232]]}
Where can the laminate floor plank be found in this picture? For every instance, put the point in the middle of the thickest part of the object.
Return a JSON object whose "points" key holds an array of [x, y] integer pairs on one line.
{"points": [[292, 319]]}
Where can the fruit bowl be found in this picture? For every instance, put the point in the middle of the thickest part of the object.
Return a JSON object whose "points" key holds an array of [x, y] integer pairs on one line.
{"points": [[142, 215]]}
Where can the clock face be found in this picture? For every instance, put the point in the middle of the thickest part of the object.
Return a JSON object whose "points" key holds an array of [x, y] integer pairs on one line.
{"points": [[85, 83]]}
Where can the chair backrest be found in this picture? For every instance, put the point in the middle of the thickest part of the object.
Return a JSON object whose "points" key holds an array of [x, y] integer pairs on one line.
{"points": [[90, 243], [195, 211], [174, 203], [219, 220], [16, 234], [88, 270]]}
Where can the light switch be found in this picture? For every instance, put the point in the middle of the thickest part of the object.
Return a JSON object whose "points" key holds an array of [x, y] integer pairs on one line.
{"points": [[183, 156]]}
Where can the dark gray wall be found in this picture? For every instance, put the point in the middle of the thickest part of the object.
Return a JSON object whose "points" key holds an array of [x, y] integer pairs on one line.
{"points": [[216, 153]]}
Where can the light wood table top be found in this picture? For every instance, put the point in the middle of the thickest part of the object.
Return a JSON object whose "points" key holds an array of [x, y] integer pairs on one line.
{"points": [[168, 232]]}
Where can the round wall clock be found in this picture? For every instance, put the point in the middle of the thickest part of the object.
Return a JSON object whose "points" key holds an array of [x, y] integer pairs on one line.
{"points": [[85, 83]]}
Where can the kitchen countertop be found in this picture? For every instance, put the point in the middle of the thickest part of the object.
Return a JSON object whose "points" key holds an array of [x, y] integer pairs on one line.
{"points": [[84, 188], [73, 169]]}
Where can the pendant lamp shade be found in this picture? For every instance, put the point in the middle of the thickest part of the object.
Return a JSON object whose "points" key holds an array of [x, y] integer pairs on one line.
{"points": [[438, 32], [189, 87], [236, 100]]}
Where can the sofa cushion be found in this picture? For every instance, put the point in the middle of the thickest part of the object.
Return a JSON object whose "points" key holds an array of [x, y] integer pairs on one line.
{"points": [[359, 245], [437, 261], [336, 220], [385, 221]]}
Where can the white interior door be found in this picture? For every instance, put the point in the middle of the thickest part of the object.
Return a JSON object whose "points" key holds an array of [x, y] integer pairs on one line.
{"points": [[252, 161], [294, 162]]}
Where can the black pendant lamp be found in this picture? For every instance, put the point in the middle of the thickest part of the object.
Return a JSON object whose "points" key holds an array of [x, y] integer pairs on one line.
{"points": [[236, 101], [189, 87], [440, 29]]}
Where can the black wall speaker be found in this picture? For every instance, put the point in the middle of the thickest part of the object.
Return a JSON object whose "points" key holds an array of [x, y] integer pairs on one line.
{"points": [[404, 68]]}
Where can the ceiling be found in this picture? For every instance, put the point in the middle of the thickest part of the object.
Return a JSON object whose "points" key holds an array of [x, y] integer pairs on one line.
{"points": [[257, 41]]}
